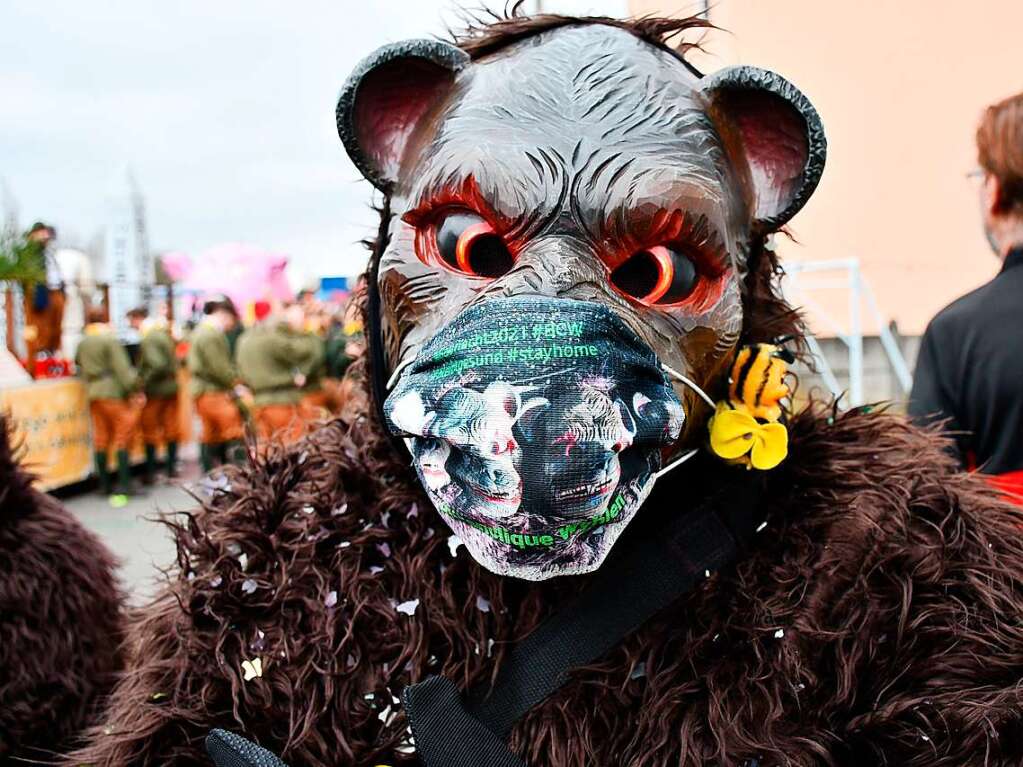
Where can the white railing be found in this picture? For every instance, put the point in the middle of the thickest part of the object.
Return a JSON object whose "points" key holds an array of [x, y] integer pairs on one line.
{"points": [[806, 279]]}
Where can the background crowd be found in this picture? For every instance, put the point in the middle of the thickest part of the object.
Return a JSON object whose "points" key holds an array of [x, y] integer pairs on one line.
{"points": [[274, 377]]}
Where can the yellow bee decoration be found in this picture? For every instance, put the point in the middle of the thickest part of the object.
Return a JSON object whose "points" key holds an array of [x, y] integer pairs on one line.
{"points": [[744, 428]]}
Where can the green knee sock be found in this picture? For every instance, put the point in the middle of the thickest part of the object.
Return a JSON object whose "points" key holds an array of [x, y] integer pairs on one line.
{"points": [[206, 456], [102, 474], [172, 459], [150, 468], [123, 472], [234, 452]]}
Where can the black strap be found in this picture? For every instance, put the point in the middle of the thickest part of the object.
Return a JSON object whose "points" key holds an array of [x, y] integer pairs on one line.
{"points": [[445, 734], [635, 584]]}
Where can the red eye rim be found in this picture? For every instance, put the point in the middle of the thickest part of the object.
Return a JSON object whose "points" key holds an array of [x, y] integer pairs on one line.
{"points": [[664, 276], [464, 244], [711, 279]]}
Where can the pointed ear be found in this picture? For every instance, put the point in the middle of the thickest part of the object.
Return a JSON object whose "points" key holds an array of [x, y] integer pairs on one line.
{"points": [[764, 119], [386, 96]]}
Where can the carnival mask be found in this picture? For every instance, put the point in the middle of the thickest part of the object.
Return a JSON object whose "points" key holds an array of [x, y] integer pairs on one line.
{"points": [[585, 180]]}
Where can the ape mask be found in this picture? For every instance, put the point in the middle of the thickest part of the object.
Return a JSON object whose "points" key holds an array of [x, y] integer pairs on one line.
{"points": [[565, 217]]}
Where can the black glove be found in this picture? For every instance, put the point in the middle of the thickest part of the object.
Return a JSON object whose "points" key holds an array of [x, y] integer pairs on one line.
{"points": [[230, 750]]}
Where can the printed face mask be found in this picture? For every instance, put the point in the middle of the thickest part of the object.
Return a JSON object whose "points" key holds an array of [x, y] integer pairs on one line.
{"points": [[536, 427]]}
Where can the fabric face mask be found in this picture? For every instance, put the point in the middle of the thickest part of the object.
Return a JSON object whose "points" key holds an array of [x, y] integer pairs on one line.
{"points": [[536, 427]]}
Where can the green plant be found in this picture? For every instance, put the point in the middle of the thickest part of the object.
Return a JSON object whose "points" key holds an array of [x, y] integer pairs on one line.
{"points": [[20, 259]]}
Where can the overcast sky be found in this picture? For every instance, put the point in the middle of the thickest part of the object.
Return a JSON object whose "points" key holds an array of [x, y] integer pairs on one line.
{"points": [[223, 110]]}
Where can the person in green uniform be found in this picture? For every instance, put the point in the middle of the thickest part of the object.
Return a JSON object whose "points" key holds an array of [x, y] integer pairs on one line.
{"points": [[110, 382], [274, 362], [213, 381], [158, 372], [315, 403]]}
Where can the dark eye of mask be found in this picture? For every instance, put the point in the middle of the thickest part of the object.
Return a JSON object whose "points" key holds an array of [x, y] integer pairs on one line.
{"points": [[468, 244], [658, 276]]}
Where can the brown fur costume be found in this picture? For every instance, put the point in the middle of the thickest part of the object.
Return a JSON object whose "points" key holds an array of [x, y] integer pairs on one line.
{"points": [[60, 618], [876, 619]]}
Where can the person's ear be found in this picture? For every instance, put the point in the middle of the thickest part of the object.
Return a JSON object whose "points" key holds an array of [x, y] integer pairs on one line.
{"points": [[994, 195], [385, 98], [766, 123]]}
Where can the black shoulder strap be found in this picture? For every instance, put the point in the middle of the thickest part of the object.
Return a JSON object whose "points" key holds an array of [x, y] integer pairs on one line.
{"points": [[625, 593]]}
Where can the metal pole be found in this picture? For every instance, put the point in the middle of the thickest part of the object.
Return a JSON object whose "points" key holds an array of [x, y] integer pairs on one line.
{"points": [[891, 346], [855, 340], [822, 366]]}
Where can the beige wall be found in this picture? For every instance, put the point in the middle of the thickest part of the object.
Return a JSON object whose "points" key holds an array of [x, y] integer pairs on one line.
{"points": [[899, 86]]}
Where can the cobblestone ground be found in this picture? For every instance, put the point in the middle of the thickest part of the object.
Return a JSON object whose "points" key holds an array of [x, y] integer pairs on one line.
{"points": [[142, 545]]}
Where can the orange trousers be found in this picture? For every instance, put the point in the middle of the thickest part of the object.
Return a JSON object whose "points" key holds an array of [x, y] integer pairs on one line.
{"points": [[43, 329], [316, 405], [161, 421], [279, 423], [113, 423], [221, 421]]}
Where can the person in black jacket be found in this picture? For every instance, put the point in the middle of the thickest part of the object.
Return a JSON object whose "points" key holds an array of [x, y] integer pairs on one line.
{"points": [[970, 370]]}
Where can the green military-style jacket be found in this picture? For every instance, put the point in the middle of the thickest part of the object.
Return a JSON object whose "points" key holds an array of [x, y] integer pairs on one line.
{"points": [[337, 359], [315, 362], [158, 366], [270, 357], [103, 364], [209, 361]]}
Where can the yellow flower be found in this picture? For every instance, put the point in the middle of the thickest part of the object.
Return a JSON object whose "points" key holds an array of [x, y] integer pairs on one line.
{"points": [[736, 434]]}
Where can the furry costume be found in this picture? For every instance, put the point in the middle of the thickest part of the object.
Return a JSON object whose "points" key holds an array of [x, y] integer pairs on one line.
{"points": [[874, 620], [60, 618]]}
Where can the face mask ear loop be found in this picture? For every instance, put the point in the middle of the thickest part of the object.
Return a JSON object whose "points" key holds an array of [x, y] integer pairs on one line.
{"points": [[675, 374], [678, 461], [685, 456]]}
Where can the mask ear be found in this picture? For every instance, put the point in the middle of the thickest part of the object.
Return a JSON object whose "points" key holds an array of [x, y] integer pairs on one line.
{"points": [[386, 96], [765, 119]]}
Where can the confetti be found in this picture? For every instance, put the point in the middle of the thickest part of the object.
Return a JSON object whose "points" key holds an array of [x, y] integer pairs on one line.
{"points": [[639, 671], [158, 696], [308, 509], [376, 569], [779, 633], [350, 661], [384, 549], [413, 510], [344, 544], [490, 647], [337, 511], [302, 457], [428, 534], [706, 573], [249, 586], [331, 599], [253, 669], [385, 518], [453, 543], [259, 643], [215, 581], [409, 607], [243, 561], [482, 604], [761, 526]]}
